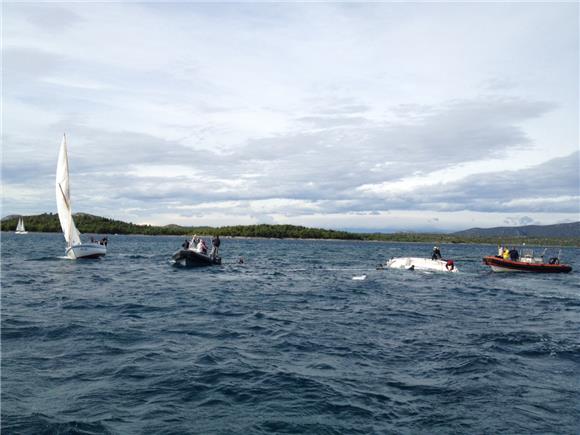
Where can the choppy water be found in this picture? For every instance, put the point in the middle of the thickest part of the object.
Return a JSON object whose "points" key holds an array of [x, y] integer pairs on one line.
{"points": [[286, 343]]}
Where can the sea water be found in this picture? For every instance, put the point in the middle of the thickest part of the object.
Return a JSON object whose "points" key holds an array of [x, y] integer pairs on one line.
{"points": [[286, 342]]}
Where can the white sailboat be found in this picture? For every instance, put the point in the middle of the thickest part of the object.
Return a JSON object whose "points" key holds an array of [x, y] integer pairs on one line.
{"points": [[75, 248], [20, 227]]}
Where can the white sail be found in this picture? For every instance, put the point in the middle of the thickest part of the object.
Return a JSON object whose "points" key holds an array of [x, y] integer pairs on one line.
{"points": [[71, 234], [20, 226]]}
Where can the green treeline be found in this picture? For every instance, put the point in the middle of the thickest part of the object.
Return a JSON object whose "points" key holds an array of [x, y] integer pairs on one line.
{"points": [[451, 238], [283, 232], [48, 223]]}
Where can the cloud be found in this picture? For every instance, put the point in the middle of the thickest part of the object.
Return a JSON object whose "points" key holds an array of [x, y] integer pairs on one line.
{"points": [[518, 221], [338, 163], [553, 186], [292, 110], [51, 18]]}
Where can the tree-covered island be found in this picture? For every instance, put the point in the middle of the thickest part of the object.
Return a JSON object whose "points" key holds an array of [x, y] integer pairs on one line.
{"points": [[90, 224]]}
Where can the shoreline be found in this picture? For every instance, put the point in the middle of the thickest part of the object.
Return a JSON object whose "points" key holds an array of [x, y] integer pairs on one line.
{"points": [[530, 243]]}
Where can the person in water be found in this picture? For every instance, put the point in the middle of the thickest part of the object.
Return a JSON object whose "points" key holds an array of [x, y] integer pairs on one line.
{"points": [[215, 246], [436, 255]]}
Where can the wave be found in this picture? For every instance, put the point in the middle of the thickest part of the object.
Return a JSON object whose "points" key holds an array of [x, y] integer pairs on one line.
{"points": [[136, 256], [11, 332], [131, 345], [472, 364], [49, 258], [511, 338], [44, 424]]}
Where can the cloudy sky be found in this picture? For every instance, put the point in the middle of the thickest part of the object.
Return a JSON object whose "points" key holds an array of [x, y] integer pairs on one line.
{"points": [[379, 116]]}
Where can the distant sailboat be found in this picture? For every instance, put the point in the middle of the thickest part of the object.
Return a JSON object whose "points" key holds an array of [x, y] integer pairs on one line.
{"points": [[20, 227], [75, 248]]}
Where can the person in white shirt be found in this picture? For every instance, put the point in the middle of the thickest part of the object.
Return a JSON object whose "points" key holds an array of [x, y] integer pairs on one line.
{"points": [[202, 247], [193, 243]]}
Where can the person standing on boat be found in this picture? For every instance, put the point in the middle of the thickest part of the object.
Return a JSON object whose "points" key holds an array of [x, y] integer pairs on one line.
{"points": [[436, 255], [514, 255], [201, 246], [185, 244], [215, 246], [506, 253], [194, 242]]}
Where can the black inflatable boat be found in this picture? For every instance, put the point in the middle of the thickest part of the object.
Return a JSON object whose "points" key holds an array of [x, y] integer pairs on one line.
{"points": [[189, 258]]}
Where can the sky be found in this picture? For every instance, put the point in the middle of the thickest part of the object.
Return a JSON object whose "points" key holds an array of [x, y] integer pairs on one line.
{"points": [[366, 116]]}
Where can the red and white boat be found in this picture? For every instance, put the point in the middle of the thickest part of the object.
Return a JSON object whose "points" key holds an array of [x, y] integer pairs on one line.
{"points": [[525, 263]]}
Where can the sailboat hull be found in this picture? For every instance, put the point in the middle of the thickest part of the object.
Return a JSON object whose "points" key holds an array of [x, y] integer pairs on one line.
{"points": [[86, 250], [414, 263], [21, 232]]}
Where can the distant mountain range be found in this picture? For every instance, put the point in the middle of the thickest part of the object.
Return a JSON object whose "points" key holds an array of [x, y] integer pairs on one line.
{"points": [[551, 231]]}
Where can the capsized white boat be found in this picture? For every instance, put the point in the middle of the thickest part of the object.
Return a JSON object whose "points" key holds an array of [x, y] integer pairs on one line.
{"points": [[75, 247], [20, 227], [416, 263]]}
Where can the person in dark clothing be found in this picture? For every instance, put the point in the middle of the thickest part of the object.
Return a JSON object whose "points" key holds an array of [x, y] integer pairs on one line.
{"points": [[436, 255], [215, 246], [514, 255], [104, 241], [185, 245]]}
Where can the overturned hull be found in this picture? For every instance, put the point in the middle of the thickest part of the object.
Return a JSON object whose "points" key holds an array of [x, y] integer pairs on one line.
{"points": [[499, 264], [189, 258], [416, 263]]}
